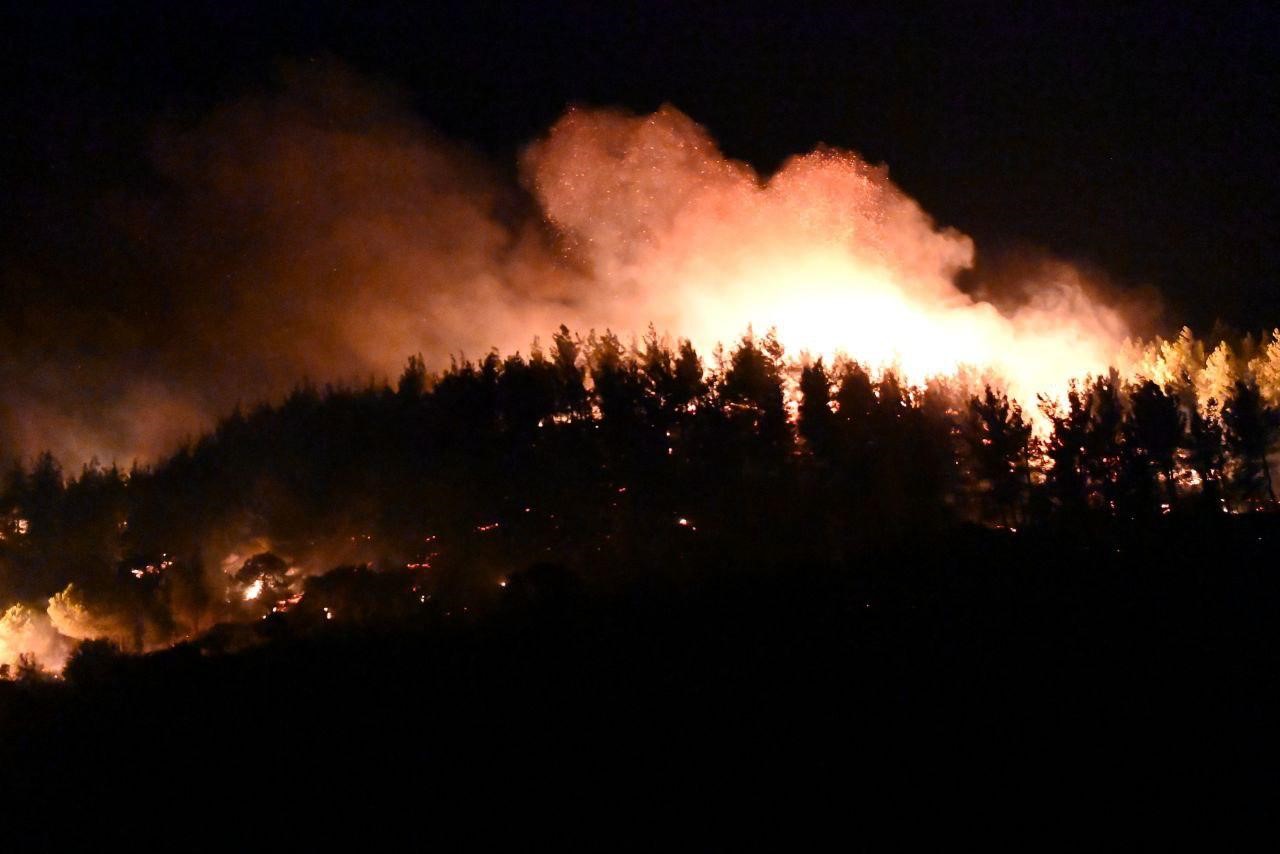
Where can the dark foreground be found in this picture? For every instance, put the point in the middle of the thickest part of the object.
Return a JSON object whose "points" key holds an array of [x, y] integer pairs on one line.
{"points": [[979, 663]]}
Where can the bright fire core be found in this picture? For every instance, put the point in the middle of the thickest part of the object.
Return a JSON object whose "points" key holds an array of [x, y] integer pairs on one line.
{"points": [[828, 251]]}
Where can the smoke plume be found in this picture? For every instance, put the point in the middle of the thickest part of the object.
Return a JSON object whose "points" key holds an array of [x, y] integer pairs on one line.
{"points": [[320, 230]]}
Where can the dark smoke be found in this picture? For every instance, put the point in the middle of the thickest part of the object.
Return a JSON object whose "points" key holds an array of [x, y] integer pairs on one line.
{"points": [[315, 230]]}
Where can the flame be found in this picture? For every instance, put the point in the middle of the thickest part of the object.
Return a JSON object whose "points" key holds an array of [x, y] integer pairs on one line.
{"points": [[829, 305], [28, 632], [657, 226], [632, 220], [287, 603], [828, 251]]}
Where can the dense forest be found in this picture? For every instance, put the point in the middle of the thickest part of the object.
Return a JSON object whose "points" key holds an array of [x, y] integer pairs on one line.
{"points": [[608, 463], [603, 527]]}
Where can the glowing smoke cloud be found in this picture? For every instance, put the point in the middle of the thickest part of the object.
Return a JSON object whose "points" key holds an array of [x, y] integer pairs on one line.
{"points": [[322, 231], [25, 631], [828, 250]]}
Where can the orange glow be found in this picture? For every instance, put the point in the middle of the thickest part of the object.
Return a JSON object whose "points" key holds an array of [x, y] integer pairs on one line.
{"points": [[828, 305], [828, 250]]}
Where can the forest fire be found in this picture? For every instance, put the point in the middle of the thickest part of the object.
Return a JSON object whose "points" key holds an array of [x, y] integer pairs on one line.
{"points": [[640, 222], [1130, 449], [827, 251], [418, 411], [627, 220]]}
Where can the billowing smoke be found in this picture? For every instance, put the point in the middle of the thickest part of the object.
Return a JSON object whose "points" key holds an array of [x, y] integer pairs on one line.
{"points": [[828, 250], [321, 231], [29, 633], [317, 232]]}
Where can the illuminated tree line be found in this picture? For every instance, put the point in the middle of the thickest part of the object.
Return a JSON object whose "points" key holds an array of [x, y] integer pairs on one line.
{"points": [[615, 458]]}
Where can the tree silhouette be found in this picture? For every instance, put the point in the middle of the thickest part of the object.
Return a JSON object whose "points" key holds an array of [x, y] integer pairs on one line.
{"points": [[413, 381], [527, 394], [1066, 450], [999, 439], [570, 373], [609, 461], [1250, 429], [1105, 450], [856, 406], [816, 422], [752, 390], [1205, 448], [1153, 435]]}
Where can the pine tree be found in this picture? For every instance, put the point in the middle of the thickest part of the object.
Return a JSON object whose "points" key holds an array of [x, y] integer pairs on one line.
{"points": [[999, 439], [1153, 434], [1065, 448], [1250, 429], [1204, 445], [816, 421]]}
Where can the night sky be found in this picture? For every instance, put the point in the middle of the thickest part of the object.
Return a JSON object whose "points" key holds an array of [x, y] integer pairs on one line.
{"points": [[1141, 141]]}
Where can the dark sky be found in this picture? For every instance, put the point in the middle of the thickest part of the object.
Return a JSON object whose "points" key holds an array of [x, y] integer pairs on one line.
{"points": [[1140, 139]]}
